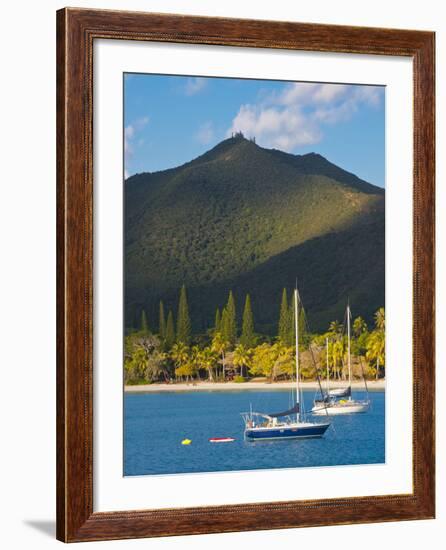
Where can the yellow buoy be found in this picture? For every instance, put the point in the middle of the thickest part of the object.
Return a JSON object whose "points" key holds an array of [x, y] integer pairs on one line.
{"points": [[186, 442]]}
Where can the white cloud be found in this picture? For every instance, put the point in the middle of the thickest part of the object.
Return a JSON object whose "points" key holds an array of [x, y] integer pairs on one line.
{"points": [[275, 127], [194, 85], [129, 132], [205, 133], [130, 135], [306, 93], [296, 116]]}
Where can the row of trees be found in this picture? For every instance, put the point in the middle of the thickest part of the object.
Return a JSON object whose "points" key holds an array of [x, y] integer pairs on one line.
{"points": [[173, 353], [225, 324]]}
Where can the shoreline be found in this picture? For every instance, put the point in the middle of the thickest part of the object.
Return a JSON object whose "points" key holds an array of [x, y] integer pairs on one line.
{"points": [[247, 386]]}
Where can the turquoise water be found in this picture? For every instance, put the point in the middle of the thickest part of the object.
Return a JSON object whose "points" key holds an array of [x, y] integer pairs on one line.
{"points": [[156, 423]]}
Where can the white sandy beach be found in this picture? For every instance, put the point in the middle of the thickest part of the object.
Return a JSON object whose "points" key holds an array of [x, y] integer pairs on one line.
{"points": [[255, 385]]}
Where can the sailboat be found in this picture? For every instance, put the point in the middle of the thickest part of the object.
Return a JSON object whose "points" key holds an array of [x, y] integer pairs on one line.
{"points": [[289, 424], [339, 400]]}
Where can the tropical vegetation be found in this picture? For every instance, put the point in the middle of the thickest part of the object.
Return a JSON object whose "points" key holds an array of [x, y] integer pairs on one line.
{"points": [[229, 351]]}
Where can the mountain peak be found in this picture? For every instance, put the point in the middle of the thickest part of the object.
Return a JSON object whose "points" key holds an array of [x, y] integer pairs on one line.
{"points": [[224, 150], [249, 218], [240, 136], [237, 139]]}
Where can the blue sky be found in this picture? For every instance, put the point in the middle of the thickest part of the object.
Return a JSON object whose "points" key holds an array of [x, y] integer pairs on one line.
{"points": [[169, 120]]}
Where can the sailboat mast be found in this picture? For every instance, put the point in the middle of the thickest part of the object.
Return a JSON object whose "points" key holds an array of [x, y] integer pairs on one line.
{"points": [[328, 372], [296, 324], [348, 347]]}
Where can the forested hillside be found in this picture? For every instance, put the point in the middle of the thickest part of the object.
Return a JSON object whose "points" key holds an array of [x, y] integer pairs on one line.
{"points": [[252, 220]]}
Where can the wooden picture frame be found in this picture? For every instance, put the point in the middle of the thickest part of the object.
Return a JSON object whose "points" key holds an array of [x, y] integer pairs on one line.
{"points": [[76, 31]]}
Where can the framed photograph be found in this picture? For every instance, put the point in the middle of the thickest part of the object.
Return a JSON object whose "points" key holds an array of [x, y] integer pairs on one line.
{"points": [[245, 275]]}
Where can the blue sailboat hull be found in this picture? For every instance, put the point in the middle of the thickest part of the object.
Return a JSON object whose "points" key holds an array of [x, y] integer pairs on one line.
{"points": [[287, 432]]}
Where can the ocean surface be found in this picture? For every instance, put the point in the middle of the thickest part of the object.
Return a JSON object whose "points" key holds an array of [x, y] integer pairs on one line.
{"points": [[156, 423]]}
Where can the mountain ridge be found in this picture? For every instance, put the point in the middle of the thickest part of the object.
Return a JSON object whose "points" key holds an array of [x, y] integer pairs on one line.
{"points": [[232, 142], [213, 222]]}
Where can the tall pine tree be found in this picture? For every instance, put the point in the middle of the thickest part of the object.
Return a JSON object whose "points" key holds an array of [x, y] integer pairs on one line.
{"points": [[170, 331], [217, 325], [162, 322], [144, 323], [302, 326], [284, 319], [290, 337], [183, 319], [230, 324], [248, 337], [224, 325]]}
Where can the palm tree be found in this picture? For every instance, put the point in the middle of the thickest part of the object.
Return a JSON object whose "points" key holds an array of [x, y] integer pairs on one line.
{"points": [[376, 345], [359, 326], [335, 328], [208, 359], [380, 319], [195, 360], [337, 353], [144, 359], [135, 365], [263, 359], [220, 346], [180, 355], [242, 357], [284, 362]]}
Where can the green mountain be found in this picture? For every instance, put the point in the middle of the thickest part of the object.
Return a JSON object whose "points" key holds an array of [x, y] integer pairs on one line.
{"points": [[250, 219]]}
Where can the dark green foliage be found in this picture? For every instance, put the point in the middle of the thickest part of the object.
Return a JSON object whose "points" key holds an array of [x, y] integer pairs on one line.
{"points": [[170, 331], [183, 319], [229, 325], [144, 323], [217, 324], [224, 325], [287, 327], [253, 219], [247, 338], [359, 344], [359, 326], [162, 322], [290, 336], [284, 319], [144, 359], [302, 324]]}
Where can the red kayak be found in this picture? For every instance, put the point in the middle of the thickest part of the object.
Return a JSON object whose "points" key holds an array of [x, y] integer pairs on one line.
{"points": [[221, 439]]}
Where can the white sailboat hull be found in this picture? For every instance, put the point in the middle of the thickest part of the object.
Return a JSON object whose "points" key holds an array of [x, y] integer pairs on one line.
{"points": [[335, 403], [348, 407]]}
